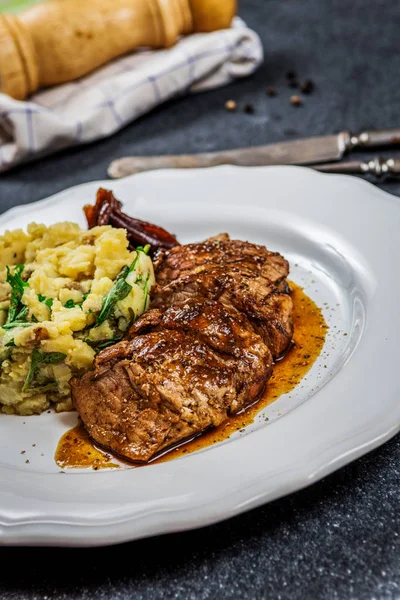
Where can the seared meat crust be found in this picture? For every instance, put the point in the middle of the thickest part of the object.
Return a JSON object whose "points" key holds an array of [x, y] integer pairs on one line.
{"points": [[181, 370], [221, 313], [220, 250], [246, 276]]}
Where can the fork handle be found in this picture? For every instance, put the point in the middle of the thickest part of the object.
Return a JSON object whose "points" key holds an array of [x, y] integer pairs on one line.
{"points": [[380, 167], [374, 139]]}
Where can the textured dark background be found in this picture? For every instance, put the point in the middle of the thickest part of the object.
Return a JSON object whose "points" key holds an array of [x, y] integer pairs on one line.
{"points": [[339, 538]]}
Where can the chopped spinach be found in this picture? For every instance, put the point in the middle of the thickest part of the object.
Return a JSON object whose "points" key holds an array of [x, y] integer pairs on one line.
{"points": [[10, 343], [41, 358], [69, 304], [17, 312], [145, 249], [47, 301], [21, 320], [118, 292], [146, 291], [120, 289], [101, 344], [47, 387]]}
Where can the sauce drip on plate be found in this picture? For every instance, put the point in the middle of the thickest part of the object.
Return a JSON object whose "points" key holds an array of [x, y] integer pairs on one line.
{"points": [[76, 450], [309, 337]]}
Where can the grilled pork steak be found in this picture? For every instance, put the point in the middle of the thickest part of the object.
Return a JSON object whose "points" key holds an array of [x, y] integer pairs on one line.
{"points": [[181, 369], [240, 274], [221, 312]]}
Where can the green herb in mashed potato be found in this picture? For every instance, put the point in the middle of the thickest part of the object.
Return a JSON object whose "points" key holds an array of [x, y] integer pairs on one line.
{"points": [[47, 301], [120, 289], [66, 293], [21, 321], [118, 292], [71, 303], [39, 358], [146, 291], [17, 312], [101, 344]]}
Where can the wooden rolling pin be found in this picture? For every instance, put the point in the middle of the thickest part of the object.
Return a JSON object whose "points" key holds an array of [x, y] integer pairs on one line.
{"points": [[62, 40]]}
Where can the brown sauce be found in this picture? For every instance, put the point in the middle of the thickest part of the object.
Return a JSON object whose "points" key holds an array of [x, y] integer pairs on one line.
{"points": [[309, 337], [76, 450]]}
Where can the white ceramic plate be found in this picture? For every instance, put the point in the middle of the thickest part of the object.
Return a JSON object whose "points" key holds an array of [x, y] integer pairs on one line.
{"points": [[342, 238]]}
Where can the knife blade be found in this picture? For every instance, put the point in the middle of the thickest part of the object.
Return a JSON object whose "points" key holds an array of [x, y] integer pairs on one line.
{"points": [[305, 151]]}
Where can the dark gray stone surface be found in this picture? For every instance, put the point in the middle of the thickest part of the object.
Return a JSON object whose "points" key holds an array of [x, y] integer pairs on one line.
{"points": [[340, 537]]}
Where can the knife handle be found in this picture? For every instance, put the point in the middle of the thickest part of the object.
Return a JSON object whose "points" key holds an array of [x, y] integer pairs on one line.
{"points": [[374, 139], [379, 167], [130, 165], [249, 157]]}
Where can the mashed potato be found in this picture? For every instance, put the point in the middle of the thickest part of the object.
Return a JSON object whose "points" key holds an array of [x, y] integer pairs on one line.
{"points": [[65, 293]]}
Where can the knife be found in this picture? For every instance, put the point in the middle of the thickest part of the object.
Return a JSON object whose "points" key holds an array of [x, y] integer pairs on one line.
{"points": [[378, 167], [306, 151]]}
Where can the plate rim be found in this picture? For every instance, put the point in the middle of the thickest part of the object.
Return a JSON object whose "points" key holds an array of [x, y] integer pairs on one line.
{"points": [[40, 532]]}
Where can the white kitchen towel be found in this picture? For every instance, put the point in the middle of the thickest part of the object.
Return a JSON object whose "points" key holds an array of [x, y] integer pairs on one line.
{"points": [[105, 101]]}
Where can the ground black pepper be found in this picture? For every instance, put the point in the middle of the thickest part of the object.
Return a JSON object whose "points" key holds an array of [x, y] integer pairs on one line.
{"points": [[249, 109], [307, 87]]}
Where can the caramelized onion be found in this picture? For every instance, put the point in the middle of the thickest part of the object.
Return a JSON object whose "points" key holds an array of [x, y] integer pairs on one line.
{"points": [[107, 211]]}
